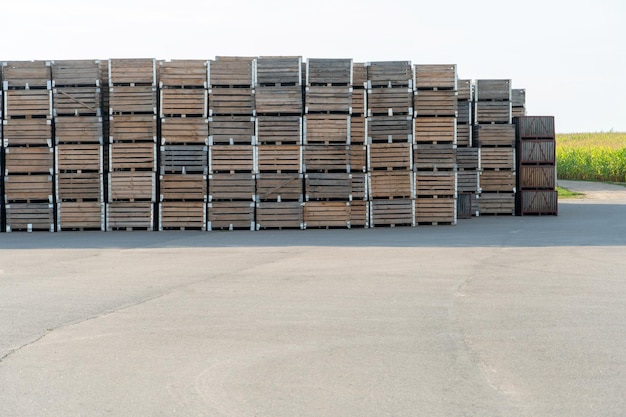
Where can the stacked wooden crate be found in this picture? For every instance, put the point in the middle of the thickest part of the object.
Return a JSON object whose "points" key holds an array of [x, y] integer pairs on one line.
{"points": [[132, 159], [495, 136], [390, 142], [518, 102], [183, 157], [232, 139], [28, 148], [466, 153], [279, 135], [434, 161], [334, 170], [76, 98], [536, 165]]}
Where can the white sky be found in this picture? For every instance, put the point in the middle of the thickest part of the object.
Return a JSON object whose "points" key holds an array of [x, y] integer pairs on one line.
{"points": [[569, 55]]}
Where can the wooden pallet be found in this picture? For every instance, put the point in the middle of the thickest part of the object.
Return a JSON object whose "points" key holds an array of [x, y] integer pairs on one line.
{"points": [[232, 158], [429, 76], [182, 215], [279, 100], [434, 157], [492, 112], [27, 103], [465, 90], [326, 129], [390, 73], [536, 127], [79, 157], [133, 100], [328, 71], [497, 158], [183, 187], [184, 131], [183, 73], [232, 71], [326, 214], [141, 156], [492, 90], [133, 128], [335, 186], [496, 203], [283, 215], [232, 187], [193, 159], [232, 130], [27, 132], [279, 130], [396, 212], [81, 216], [76, 73], [358, 128], [278, 70], [140, 71], [320, 99], [26, 74], [467, 181], [539, 202], [537, 177], [121, 215], [232, 101], [279, 158], [231, 215], [537, 151], [495, 135], [435, 130], [428, 184], [500, 181], [87, 130], [435, 211], [132, 186], [279, 187], [391, 184], [31, 160], [467, 158], [358, 106], [30, 217], [76, 101], [389, 101], [389, 129], [28, 188], [435, 103], [80, 187], [190, 102], [389, 156], [326, 158]]}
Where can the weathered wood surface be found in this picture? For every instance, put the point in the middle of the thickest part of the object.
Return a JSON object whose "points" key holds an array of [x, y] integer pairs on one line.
{"points": [[132, 186], [183, 73], [140, 156], [391, 184], [273, 215], [279, 100], [279, 130], [132, 71], [537, 177], [326, 214], [328, 71], [389, 101], [430, 76], [279, 187], [501, 181], [518, 97], [184, 159], [326, 129], [464, 112], [435, 130], [428, 184], [467, 181], [79, 157], [495, 135], [435, 210], [536, 127], [359, 75], [184, 131], [434, 157], [390, 73], [389, 129], [29, 160], [231, 215], [27, 132], [80, 186], [326, 158], [496, 203], [389, 156], [28, 188], [76, 101], [28, 103], [465, 90], [464, 203], [232, 71], [183, 187], [539, 202], [231, 130], [359, 102], [133, 128], [133, 100], [232, 187], [184, 102], [335, 186], [328, 99], [232, 158], [435, 103], [30, 216], [182, 215], [464, 135], [232, 101], [497, 158], [278, 70], [358, 130], [492, 90], [537, 151], [75, 73], [129, 216], [397, 212], [87, 215], [22, 74], [467, 158], [492, 112]]}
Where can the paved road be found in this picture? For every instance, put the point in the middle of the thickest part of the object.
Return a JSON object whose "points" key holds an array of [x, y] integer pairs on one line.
{"points": [[496, 316]]}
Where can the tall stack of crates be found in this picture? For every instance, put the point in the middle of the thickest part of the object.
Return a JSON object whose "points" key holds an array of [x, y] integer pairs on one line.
{"points": [[77, 104], [434, 161], [359, 208], [536, 165], [132, 159], [232, 140], [279, 134], [390, 142], [466, 153], [28, 147], [518, 102], [495, 136]]}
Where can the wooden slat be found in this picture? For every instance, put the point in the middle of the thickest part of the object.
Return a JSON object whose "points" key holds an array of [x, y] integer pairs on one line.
{"points": [[76, 73], [26, 73], [325, 158], [132, 100], [537, 177], [358, 130], [326, 214], [496, 203], [495, 135], [132, 186], [76, 101], [435, 210], [537, 151], [27, 132], [232, 187], [492, 112], [279, 158], [75, 186], [435, 103], [497, 158], [492, 90], [132, 71], [389, 101], [536, 127], [275, 100], [279, 187], [279, 130], [435, 184], [184, 131], [28, 188], [326, 129], [328, 99], [232, 101], [182, 215], [30, 216], [184, 102], [389, 129], [35, 160], [329, 71], [133, 128], [465, 90], [394, 73], [279, 70], [539, 202], [183, 187], [129, 216], [435, 76], [397, 212], [184, 159], [434, 157], [389, 156], [232, 158], [81, 216], [391, 184], [232, 130], [79, 157], [183, 73], [467, 158], [435, 130], [232, 71], [501, 181], [335, 186], [270, 215], [231, 215], [28, 103], [132, 156]]}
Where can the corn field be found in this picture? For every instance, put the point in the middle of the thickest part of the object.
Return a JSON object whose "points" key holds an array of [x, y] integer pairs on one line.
{"points": [[592, 156]]}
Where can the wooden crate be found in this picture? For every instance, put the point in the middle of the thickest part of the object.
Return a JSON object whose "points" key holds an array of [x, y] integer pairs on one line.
{"points": [[279, 70], [391, 184], [381, 129], [518, 97], [358, 158], [279, 158], [28, 188], [539, 202], [435, 130], [497, 158], [496, 203], [326, 158], [464, 135], [434, 157], [359, 75], [492, 90], [80, 187], [133, 128], [326, 129], [28, 103], [30, 217], [492, 112], [133, 100], [429, 184], [183, 73], [536, 177], [232, 71], [360, 214], [537, 151], [26, 74], [389, 101], [193, 159], [183, 187], [358, 129], [232, 158], [467, 181], [279, 130], [132, 186], [232, 101], [464, 112], [465, 90], [329, 72], [358, 106], [190, 102], [184, 131], [279, 100], [232, 187], [467, 158], [495, 135], [435, 211], [140, 156], [435, 103], [182, 215], [518, 112], [326, 214], [535, 127], [23, 160], [283, 215], [231, 215], [76, 73], [320, 99], [429, 76], [279, 187], [390, 73], [81, 216], [78, 130], [335, 186], [389, 156], [129, 216], [397, 212], [27, 132], [79, 157], [501, 181], [141, 71], [76, 101], [232, 130]]}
